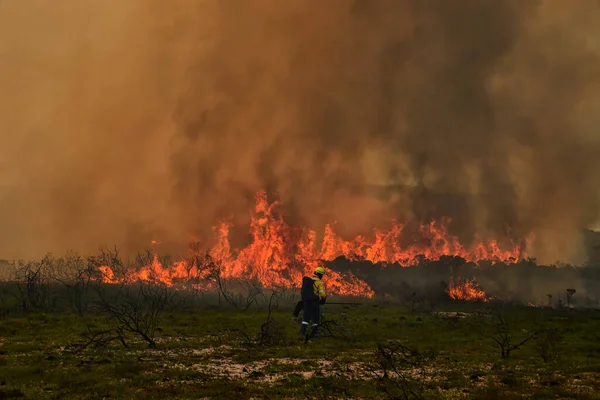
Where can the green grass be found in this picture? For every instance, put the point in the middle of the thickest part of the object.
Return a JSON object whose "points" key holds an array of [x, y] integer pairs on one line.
{"points": [[207, 354]]}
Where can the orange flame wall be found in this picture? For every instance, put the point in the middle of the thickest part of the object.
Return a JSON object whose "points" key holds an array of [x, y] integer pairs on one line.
{"points": [[278, 254]]}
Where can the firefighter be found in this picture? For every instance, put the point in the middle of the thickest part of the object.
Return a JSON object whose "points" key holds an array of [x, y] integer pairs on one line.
{"points": [[313, 296]]}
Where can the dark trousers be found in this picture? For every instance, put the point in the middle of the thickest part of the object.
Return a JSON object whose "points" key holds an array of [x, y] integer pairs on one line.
{"points": [[312, 312]]}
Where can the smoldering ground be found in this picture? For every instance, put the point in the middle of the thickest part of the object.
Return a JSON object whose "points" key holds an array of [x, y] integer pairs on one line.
{"points": [[525, 282], [127, 121]]}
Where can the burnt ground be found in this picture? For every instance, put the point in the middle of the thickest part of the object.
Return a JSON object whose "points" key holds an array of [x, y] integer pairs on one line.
{"points": [[524, 282], [450, 351]]}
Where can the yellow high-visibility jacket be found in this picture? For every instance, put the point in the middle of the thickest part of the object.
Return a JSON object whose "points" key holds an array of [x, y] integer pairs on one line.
{"points": [[319, 288]]}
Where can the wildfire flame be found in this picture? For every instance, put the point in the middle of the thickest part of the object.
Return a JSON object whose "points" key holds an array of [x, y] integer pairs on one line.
{"points": [[279, 254], [467, 290]]}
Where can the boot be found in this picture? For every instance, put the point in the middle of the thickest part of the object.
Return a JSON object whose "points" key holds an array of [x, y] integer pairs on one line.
{"points": [[315, 331], [303, 329]]}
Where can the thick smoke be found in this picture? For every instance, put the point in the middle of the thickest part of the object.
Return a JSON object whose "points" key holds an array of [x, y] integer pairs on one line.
{"points": [[127, 121]]}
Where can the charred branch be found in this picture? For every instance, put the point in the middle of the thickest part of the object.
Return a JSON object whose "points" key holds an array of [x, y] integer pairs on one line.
{"points": [[398, 370], [504, 330], [134, 308], [32, 281]]}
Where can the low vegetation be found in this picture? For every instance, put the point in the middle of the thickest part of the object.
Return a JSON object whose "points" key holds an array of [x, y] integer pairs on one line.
{"points": [[71, 336], [394, 353]]}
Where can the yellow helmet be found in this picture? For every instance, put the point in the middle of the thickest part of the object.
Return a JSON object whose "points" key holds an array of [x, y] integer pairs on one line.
{"points": [[320, 270]]}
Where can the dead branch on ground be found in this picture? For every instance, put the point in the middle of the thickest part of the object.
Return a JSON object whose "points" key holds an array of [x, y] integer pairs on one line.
{"points": [[498, 325], [399, 370]]}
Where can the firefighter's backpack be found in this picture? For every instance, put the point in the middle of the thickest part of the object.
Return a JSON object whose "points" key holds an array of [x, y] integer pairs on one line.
{"points": [[308, 289]]}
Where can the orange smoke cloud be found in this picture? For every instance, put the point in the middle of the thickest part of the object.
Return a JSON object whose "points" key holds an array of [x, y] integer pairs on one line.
{"points": [[124, 122]]}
